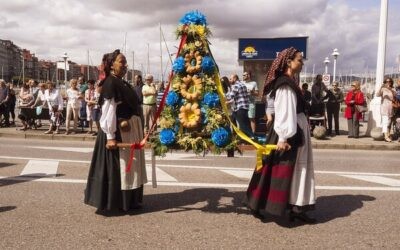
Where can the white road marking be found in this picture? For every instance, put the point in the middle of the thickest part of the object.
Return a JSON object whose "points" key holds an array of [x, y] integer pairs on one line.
{"points": [[161, 175], [375, 179], [68, 149], [246, 174], [204, 185], [355, 173], [40, 168]]}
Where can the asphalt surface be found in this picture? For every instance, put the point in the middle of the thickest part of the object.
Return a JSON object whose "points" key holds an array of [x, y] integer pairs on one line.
{"points": [[197, 204]]}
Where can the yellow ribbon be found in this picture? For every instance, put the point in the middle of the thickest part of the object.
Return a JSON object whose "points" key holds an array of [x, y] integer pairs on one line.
{"points": [[261, 149]]}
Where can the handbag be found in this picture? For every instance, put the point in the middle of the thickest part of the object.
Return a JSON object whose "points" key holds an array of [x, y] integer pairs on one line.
{"points": [[38, 110], [361, 108]]}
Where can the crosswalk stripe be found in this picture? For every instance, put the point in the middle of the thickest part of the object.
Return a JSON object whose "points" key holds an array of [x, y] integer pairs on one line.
{"points": [[246, 174], [375, 179], [40, 168], [161, 175]]}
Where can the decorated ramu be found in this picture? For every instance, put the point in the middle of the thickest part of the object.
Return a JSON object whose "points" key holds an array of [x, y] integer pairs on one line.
{"points": [[193, 116]]}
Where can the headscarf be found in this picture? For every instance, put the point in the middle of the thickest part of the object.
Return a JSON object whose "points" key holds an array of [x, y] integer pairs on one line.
{"points": [[278, 67]]}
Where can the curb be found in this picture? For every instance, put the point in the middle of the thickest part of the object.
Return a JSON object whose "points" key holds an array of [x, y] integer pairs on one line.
{"points": [[315, 144]]}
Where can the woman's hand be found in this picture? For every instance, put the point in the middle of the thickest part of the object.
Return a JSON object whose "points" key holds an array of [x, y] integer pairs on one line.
{"points": [[283, 146], [111, 144]]}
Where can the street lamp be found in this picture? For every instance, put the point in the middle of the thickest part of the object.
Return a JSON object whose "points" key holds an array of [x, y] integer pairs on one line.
{"points": [[65, 57], [335, 55], [326, 61]]}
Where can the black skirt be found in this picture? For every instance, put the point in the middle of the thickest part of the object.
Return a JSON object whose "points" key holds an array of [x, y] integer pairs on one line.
{"points": [[103, 189]]}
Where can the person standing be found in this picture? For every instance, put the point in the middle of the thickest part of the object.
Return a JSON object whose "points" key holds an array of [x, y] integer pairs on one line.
{"points": [[82, 85], [12, 99], [335, 98], [4, 100], [286, 179], [252, 88], [354, 97], [73, 105], [317, 97], [111, 185], [387, 94], [149, 102], [90, 104], [239, 97], [56, 105], [138, 89]]}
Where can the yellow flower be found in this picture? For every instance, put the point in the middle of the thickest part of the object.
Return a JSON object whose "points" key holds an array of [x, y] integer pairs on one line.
{"points": [[190, 115], [200, 30]]}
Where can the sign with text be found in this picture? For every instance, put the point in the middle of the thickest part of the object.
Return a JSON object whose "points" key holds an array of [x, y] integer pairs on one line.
{"points": [[326, 78], [268, 48]]}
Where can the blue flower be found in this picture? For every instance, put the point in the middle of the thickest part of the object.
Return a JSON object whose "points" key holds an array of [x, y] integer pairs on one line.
{"points": [[211, 99], [172, 98], [193, 17], [220, 137], [167, 136], [207, 64], [179, 65]]}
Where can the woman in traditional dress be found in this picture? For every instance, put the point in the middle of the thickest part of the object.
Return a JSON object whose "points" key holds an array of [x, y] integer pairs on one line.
{"points": [[286, 179], [111, 184]]}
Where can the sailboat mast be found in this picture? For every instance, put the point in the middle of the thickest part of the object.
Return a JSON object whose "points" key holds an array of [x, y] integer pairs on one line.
{"points": [[161, 61], [88, 66]]}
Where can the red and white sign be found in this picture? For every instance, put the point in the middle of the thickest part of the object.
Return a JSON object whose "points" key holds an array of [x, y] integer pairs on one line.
{"points": [[326, 78]]}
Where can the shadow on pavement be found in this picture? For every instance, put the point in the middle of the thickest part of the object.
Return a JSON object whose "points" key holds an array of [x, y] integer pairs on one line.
{"points": [[187, 200], [11, 180], [5, 164], [7, 208], [329, 208], [338, 206]]}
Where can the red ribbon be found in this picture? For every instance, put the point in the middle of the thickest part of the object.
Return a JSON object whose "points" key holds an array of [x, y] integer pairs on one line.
{"points": [[132, 155]]}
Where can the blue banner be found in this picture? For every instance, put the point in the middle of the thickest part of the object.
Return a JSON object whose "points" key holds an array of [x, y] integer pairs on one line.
{"points": [[267, 48]]}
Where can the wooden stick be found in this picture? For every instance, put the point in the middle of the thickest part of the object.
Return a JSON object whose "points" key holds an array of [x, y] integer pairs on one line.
{"points": [[153, 169]]}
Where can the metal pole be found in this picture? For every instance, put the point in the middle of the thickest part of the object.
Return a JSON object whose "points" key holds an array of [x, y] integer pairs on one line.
{"points": [[334, 69], [148, 58], [88, 66], [161, 62], [133, 66], [23, 69], [2, 72], [65, 71]]}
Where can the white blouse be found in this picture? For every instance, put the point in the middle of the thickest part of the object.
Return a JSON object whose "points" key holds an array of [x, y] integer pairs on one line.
{"points": [[285, 113], [108, 120], [73, 98], [54, 98]]}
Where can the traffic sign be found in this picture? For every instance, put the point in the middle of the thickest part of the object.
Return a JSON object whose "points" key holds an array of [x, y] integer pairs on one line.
{"points": [[326, 78]]}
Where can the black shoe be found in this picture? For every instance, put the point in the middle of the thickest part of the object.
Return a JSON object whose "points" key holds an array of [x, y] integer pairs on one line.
{"points": [[257, 214], [350, 136], [301, 217], [337, 133]]}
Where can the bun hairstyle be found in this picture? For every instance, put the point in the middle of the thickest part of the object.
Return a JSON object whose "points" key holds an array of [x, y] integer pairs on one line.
{"points": [[108, 60]]}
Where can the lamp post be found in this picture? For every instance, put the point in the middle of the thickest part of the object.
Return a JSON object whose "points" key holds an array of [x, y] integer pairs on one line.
{"points": [[374, 117], [335, 55], [326, 61], [65, 57]]}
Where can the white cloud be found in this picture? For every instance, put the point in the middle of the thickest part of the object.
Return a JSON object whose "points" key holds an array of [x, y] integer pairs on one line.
{"points": [[51, 27]]}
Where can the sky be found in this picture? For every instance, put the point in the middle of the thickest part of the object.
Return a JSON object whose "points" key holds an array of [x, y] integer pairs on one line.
{"points": [[49, 28]]}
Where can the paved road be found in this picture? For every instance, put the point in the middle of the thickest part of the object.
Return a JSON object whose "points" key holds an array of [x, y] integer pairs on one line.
{"points": [[197, 203]]}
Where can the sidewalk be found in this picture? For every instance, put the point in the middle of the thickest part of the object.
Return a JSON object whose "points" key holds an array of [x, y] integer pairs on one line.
{"points": [[337, 142]]}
